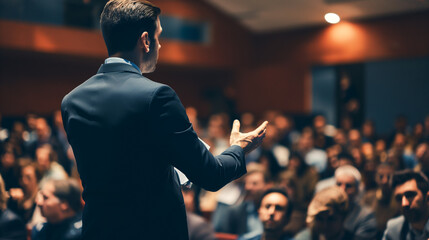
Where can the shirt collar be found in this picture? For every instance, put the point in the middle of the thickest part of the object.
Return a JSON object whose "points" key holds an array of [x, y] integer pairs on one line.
{"points": [[121, 60]]}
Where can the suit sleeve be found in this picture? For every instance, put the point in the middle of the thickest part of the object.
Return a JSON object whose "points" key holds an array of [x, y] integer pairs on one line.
{"points": [[176, 135]]}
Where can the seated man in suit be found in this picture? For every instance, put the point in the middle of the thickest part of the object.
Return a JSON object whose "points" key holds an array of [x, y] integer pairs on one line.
{"points": [[60, 203], [410, 190]]}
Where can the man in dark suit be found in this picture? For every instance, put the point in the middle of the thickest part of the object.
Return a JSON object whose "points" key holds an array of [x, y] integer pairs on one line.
{"points": [[411, 192], [127, 132]]}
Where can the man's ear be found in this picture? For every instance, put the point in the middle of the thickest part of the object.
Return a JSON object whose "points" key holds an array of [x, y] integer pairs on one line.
{"points": [[144, 42], [64, 206]]}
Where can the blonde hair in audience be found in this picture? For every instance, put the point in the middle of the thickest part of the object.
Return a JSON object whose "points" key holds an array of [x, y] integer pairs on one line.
{"points": [[3, 195]]}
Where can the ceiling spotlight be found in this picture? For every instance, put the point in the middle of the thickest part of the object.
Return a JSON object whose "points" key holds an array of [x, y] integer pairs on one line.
{"points": [[332, 18]]}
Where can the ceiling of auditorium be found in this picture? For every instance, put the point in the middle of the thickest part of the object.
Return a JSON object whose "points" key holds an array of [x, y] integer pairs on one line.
{"points": [[271, 15]]}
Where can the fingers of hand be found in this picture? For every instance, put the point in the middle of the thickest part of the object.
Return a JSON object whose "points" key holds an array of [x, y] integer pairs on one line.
{"points": [[262, 127], [236, 126]]}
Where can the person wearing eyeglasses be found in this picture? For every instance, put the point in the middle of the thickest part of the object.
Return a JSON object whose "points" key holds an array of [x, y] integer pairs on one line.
{"points": [[360, 220], [410, 190]]}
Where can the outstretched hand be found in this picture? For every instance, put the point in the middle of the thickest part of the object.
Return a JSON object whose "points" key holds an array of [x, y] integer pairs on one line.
{"points": [[248, 141]]}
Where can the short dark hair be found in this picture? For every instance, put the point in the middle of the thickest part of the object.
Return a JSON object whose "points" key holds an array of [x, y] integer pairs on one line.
{"points": [[403, 176], [123, 21], [68, 191], [289, 207]]}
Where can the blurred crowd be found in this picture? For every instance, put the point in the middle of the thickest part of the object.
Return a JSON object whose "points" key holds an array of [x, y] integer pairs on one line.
{"points": [[316, 182]]}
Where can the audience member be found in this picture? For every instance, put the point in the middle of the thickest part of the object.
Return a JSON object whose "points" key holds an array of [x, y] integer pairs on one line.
{"points": [[273, 155], [368, 132], [321, 140], [242, 218], [306, 178], [45, 135], [11, 226], [410, 190], [46, 161], [60, 202], [9, 168], [326, 214], [23, 199], [313, 156], [274, 212], [288, 135], [360, 220], [422, 157], [380, 199]]}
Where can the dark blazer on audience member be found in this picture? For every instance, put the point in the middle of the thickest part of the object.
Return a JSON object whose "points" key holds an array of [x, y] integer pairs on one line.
{"points": [[127, 132], [11, 226]]}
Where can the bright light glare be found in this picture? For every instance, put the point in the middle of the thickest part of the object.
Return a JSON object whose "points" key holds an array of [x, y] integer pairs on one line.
{"points": [[332, 18]]}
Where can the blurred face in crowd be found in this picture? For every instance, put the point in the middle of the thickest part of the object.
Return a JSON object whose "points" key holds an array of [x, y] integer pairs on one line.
{"points": [[319, 123], [283, 123], [412, 201], [31, 121], [50, 205], [42, 129], [399, 141], [271, 136], [273, 211], [328, 224], [340, 138], [217, 126], [254, 184], [354, 138], [7, 160], [28, 179], [367, 150], [42, 158], [306, 141], [368, 129], [348, 184], [383, 175], [418, 129], [422, 154], [380, 146]]}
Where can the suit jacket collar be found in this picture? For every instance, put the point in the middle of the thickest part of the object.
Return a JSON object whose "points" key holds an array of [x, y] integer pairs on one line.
{"points": [[117, 67]]}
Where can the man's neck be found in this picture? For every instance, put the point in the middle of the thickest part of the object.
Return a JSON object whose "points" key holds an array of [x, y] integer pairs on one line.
{"points": [[420, 225], [130, 56]]}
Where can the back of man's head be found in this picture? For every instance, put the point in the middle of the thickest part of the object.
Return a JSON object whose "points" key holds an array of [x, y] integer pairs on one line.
{"points": [[404, 176], [123, 21], [68, 191]]}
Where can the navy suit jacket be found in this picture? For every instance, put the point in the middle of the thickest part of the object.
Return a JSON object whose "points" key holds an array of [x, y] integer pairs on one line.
{"points": [[127, 132]]}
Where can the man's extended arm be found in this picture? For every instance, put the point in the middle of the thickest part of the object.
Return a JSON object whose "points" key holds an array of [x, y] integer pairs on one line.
{"points": [[189, 155]]}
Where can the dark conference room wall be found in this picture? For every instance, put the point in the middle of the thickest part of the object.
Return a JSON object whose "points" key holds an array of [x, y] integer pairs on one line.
{"points": [[281, 71], [41, 63]]}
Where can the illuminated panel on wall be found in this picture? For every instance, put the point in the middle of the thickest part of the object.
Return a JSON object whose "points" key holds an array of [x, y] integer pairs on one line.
{"points": [[185, 30]]}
